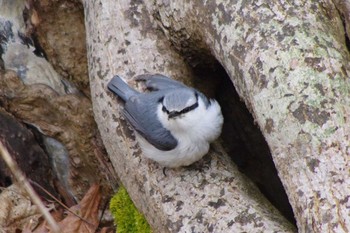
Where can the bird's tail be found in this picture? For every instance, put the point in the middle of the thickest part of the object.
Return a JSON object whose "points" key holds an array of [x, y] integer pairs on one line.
{"points": [[121, 88]]}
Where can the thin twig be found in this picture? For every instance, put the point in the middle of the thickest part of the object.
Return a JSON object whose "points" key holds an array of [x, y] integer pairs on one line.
{"points": [[29, 189], [61, 203]]}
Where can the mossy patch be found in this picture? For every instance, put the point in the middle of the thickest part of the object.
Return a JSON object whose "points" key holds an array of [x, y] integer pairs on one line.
{"points": [[126, 216]]}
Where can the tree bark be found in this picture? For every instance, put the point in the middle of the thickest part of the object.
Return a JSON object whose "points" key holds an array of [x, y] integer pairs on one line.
{"points": [[123, 39], [59, 116], [290, 64]]}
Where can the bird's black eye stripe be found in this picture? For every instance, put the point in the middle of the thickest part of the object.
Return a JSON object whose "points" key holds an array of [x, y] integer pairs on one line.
{"points": [[190, 108], [165, 110], [183, 111]]}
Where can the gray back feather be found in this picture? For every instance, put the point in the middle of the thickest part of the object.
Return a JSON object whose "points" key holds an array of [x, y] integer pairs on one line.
{"points": [[141, 112]]}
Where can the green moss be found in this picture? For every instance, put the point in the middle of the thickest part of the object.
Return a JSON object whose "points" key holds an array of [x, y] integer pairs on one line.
{"points": [[127, 218]]}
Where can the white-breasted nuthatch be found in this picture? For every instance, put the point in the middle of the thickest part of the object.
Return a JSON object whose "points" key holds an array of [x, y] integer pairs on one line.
{"points": [[174, 123]]}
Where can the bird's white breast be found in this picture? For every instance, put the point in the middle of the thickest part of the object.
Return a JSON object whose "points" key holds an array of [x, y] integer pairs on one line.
{"points": [[193, 131]]}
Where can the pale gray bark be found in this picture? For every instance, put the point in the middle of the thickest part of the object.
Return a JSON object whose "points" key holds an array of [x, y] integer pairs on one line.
{"points": [[289, 62], [123, 38]]}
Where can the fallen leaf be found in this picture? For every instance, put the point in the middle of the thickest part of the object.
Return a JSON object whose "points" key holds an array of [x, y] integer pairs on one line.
{"points": [[87, 209], [43, 226]]}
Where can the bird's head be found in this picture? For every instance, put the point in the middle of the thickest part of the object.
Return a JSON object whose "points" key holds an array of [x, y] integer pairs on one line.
{"points": [[178, 103]]}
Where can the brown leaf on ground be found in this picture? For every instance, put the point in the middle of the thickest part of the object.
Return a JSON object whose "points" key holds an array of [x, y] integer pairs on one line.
{"points": [[43, 226], [82, 217], [87, 209]]}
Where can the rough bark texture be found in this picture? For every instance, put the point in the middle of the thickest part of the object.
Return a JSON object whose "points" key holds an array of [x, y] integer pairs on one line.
{"points": [[26, 152], [123, 39], [289, 62], [61, 33], [59, 114], [343, 6]]}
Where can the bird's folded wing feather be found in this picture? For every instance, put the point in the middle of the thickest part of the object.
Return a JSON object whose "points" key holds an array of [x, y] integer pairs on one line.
{"points": [[141, 112]]}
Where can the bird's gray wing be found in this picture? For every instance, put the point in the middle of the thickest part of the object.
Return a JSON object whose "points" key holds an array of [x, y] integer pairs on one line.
{"points": [[159, 82], [141, 112]]}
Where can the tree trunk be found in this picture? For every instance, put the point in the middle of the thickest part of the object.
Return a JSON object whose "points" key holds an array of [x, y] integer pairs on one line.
{"points": [[288, 62], [124, 39]]}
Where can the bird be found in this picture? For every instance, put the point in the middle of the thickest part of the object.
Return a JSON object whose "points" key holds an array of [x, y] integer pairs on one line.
{"points": [[174, 123]]}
